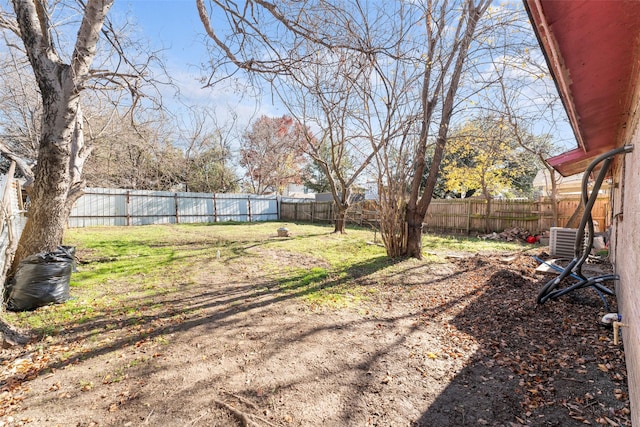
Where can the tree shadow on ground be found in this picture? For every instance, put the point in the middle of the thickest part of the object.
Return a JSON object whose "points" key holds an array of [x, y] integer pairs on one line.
{"points": [[166, 359], [180, 310], [536, 365], [223, 311]]}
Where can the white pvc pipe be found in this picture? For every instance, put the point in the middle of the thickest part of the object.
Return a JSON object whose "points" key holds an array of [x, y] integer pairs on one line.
{"points": [[609, 318]]}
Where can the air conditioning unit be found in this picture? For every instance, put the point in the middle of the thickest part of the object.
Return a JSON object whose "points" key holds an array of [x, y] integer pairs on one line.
{"points": [[562, 242]]}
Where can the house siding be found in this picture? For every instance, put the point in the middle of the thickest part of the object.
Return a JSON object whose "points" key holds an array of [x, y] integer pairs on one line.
{"points": [[626, 255]]}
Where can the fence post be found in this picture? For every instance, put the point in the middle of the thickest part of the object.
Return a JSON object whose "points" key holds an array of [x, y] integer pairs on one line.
{"points": [[313, 208], [215, 208], [175, 202], [127, 207], [6, 214], [468, 216], [249, 208]]}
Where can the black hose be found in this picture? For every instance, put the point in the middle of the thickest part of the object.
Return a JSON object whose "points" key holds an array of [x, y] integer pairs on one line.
{"points": [[580, 256]]}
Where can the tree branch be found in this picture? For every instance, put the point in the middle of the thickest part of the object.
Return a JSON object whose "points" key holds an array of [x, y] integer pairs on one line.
{"points": [[22, 164], [95, 12]]}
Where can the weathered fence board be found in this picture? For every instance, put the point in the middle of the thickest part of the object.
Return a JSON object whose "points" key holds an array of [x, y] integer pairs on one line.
{"points": [[12, 220], [459, 216], [101, 206]]}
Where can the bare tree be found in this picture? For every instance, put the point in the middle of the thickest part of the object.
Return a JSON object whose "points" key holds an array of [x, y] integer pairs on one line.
{"points": [[206, 144], [371, 99], [136, 155], [62, 75], [20, 110], [322, 60], [62, 153], [527, 100], [335, 94], [520, 91], [271, 154], [450, 29]]}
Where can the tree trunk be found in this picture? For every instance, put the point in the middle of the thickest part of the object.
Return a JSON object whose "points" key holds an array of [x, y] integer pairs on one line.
{"points": [[50, 204], [416, 210], [418, 205], [341, 219], [574, 221], [61, 152], [414, 234]]}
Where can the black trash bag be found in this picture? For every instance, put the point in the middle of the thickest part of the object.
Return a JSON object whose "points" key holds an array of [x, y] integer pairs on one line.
{"points": [[41, 279]]}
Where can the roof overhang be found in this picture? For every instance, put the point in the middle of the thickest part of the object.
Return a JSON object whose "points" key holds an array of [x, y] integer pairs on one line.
{"points": [[591, 48]]}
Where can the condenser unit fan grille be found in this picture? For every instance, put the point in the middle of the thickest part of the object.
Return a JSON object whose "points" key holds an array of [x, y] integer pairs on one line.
{"points": [[562, 242]]}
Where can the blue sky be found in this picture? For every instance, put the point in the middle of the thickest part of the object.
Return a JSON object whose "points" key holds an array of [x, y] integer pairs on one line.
{"points": [[172, 24], [175, 27]]}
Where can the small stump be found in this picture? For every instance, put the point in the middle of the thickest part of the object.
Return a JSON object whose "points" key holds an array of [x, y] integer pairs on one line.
{"points": [[283, 232]]}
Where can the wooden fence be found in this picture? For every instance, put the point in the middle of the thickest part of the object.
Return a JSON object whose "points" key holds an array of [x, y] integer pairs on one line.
{"points": [[460, 215], [12, 220]]}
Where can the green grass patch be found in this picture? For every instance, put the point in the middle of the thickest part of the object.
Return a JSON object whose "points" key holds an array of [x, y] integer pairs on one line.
{"points": [[126, 275], [467, 244]]}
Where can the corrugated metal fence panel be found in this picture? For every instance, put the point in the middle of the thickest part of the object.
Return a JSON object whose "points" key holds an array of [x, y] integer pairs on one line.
{"points": [[105, 206], [231, 207], [100, 206], [264, 208], [152, 207], [195, 207]]}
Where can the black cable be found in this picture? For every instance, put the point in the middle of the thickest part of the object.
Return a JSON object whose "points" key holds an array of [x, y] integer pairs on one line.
{"points": [[580, 256]]}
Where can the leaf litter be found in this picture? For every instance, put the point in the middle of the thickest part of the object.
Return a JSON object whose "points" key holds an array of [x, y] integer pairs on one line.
{"points": [[460, 344]]}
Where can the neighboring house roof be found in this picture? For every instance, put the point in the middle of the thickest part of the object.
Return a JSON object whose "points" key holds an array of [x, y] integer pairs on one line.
{"points": [[591, 49], [569, 185]]}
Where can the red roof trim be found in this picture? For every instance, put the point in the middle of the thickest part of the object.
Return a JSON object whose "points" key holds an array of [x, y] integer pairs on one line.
{"points": [[591, 48], [555, 63]]}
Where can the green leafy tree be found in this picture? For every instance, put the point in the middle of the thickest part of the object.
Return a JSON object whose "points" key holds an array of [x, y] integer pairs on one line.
{"points": [[440, 191], [315, 178], [483, 155], [209, 172]]}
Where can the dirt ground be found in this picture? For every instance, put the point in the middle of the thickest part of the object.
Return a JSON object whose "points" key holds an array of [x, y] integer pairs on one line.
{"points": [[461, 343]]}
